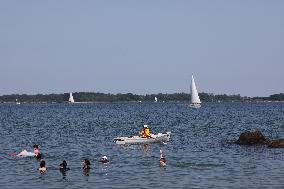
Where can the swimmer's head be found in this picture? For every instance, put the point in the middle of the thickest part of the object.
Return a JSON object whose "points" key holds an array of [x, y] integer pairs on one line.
{"points": [[35, 146], [86, 162], [63, 165], [104, 159], [42, 163]]}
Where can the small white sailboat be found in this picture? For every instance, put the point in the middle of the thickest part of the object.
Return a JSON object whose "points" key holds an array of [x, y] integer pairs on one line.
{"points": [[71, 99], [17, 102], [195, 100], [156, 99]]}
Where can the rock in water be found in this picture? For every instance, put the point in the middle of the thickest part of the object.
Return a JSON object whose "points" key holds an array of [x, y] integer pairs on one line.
{"points": [[276, 143], [249, 138]]}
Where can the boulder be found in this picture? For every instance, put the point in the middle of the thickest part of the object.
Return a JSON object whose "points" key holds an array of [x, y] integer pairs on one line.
{"points": [[250, 138], [276, 143]]}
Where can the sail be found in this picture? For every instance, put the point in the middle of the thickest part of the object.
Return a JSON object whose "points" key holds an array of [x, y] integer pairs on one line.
{"points": [[194, 94], [156, 99], [71, 99]]}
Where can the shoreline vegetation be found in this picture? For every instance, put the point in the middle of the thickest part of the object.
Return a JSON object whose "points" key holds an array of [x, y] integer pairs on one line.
{"points": [[90, 97]]}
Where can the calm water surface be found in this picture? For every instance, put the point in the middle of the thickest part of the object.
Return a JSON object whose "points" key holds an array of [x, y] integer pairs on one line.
{"points": [[199, 154]]}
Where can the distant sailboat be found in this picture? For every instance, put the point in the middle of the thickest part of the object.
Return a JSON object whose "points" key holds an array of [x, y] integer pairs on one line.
{"points": [[71, 99], [195, 101], [17, 102], [156, 99]]}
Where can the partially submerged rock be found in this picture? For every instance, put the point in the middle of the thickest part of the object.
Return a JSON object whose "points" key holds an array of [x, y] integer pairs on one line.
{"points": [[250, 138], [257, 138], [276, 143]]}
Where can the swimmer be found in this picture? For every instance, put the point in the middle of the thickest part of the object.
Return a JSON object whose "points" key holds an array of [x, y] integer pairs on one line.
{"points": [[42, 168], [25, 153], [63, 166], [86, 167], [36, 152], [162, 159], [104, 159], [86, 164]]}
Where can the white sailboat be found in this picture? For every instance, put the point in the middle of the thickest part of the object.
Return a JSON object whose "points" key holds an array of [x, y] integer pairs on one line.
{"points": [[156, 99], [17, 102], [195, 101], [71, 99]]}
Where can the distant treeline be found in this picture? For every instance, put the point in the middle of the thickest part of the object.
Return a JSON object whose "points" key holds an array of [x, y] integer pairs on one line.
{"points": [[102, 97]]}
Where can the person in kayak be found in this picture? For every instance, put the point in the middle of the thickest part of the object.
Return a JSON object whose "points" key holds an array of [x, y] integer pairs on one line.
{"points": [[42, 168], [104, 159], [145, 132], [162, 159]]}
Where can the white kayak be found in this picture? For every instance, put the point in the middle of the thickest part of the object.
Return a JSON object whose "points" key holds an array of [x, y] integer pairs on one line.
{"points": [[160, 137]]}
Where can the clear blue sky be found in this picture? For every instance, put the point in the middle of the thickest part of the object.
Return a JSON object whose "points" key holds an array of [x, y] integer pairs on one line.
{"points": [[147, 46]]}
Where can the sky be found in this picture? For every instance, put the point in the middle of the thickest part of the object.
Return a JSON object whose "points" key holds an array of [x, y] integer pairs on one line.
{"points": [[143, 46]]}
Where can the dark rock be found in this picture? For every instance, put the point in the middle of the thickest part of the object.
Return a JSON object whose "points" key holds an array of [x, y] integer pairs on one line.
{"points": [[276, 143], [250, 138]]}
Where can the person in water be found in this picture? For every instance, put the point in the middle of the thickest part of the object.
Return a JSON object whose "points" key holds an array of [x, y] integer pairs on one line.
{"points": [[42, 167], [63, 166], [104, 159], [36, 153], [145, 132], [86, 167], [86, 164], [162, 159]]}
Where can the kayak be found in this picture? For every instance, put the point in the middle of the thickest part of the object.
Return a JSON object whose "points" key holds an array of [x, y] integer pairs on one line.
{"points": [[160, 137]]}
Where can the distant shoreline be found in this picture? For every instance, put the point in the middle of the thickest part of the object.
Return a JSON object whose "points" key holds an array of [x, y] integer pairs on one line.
{"points": [[134, 102], [94, 97]]}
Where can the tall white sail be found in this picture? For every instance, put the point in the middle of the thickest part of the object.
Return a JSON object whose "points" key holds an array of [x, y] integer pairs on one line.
{"points": [[156, 99], [195, 100], [71, 99]]}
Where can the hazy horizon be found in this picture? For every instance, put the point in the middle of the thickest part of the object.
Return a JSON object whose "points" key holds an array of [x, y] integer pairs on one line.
{"points": [[142, 47]]}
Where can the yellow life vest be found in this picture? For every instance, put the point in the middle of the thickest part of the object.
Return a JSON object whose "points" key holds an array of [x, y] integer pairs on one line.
{"points": [[147, 132]]}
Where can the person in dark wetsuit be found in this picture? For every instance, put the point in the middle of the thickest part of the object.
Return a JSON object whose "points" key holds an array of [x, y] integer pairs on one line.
{"points": [[63, 168]]}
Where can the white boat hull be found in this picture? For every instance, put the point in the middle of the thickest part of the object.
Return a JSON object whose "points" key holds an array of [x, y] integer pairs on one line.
{"points": [[160, 137], [195, 106]]}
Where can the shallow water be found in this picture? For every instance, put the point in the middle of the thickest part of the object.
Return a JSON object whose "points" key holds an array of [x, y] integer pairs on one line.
{"points": [[199, 154]]}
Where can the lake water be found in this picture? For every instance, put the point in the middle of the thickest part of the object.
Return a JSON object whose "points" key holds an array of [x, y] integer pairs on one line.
{"points": [[199, 154]]}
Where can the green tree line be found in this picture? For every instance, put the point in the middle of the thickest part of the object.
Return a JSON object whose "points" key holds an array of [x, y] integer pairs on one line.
{"points": [[102, 97]]}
